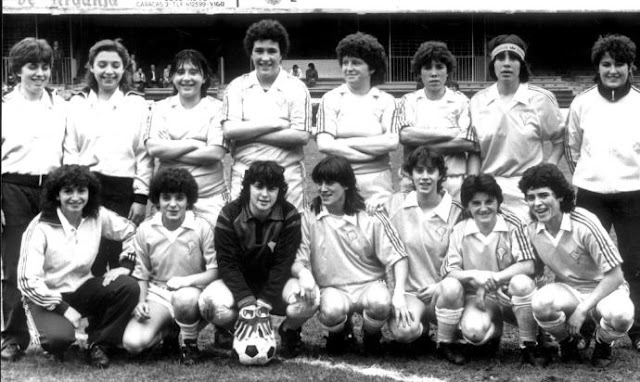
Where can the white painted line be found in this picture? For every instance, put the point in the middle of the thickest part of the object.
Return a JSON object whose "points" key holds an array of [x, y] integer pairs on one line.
{"points": [[372, 371]]}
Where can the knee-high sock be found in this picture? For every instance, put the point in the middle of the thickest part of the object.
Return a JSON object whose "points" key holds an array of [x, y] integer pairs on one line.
{"points": [[557, 328], [371, 325], [527, 326], [188, 331], [448, 321]]}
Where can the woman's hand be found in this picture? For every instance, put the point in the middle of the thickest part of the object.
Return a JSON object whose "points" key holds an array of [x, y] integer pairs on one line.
{"points": [[308, 288], [401, 312], [141, 311], [137, 213], [114, 274], [177, 282]]}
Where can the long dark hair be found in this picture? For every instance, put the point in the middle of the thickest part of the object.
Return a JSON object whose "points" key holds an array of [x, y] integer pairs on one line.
{"points": [[196, 59], [335, 168], [267, 173]]}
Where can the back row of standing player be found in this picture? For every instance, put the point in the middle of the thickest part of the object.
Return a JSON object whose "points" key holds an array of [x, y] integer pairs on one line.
{"points": [[266, 114]]}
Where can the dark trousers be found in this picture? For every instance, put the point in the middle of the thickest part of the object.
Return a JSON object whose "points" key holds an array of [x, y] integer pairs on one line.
{"points": [[622, 211], [20, 204], [117, 195], [107, 308]]}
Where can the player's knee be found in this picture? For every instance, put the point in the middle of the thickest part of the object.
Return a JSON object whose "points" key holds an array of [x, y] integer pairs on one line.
{"points": [[451, 293], [377, 303], [185, 304], [406, 334], [332, 313], [620, 319], [521, 285], [543, 303]]}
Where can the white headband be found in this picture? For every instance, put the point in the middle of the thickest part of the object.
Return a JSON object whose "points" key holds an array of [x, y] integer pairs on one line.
{"points": [[509, 48]]}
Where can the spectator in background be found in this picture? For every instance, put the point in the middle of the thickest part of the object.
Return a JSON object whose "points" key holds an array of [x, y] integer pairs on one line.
{"points": [[56, 63], [154, 78], [356, 119], [134, 63], [311, 76], [296, 72], [602, 148], [139, 80], [33, 125], [512, 119], [267, 112], [166, 76]]}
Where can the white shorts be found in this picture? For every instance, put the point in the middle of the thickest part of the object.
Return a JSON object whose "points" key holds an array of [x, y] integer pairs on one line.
{"points": [[160, 296], [355, 291], [375, 187]]}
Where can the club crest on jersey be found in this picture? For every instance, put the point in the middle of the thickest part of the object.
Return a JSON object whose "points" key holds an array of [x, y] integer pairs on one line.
{"points": [[441, 231], [191, 245], [271, 245], [352, 235]]}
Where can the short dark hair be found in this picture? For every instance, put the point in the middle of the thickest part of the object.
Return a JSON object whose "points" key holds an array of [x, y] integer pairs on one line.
{"points": [[621, 48], [334, 168], [484, 183], [110, 46], [73, 176], [367, 48], [423, 156], [549, 175], [267, 30], [525, 71], [267, 173], [433, 51], [196, 59], [174, 180], [29, 50]]}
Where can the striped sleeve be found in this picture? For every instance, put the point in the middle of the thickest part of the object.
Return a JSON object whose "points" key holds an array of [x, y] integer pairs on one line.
{"points": [[388, 245], [596, 240], [300, 109], [453, 258], [404, 113], [326, 121], [573, 138], [232, 101], [520, 244], [31, 277]]}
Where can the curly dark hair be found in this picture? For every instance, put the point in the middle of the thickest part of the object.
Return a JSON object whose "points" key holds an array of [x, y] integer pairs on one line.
{"points": [[433, 51], [621, 48], [267, 30], [367, 48], [334, 168], [173, 180], [110, 46], [549, 175], [525, 71], [29, 50], [423, 156], [197, 59], [70, 176], [480, 183], [267, 173]]}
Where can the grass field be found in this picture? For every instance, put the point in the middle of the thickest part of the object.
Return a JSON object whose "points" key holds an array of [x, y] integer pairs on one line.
{"points": [[315, 365]]}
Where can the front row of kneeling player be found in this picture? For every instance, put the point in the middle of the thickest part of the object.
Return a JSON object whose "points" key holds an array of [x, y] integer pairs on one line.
{"points": [[415, 264]]}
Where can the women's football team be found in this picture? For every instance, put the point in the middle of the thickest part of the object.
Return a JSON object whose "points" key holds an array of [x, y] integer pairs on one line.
{"points": [[484, 230]]}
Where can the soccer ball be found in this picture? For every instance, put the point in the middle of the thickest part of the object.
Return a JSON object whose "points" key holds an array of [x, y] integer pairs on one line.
{"points": [[255, 350], [254, 340]]}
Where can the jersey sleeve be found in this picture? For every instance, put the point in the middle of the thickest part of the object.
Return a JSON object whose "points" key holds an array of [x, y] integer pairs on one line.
{"points": [[31, 276], [388, 245], [550, 117], [300, 110], [144, 161], [405, 114], [208, 247], [303, 254], [117, 228], [598, 243], [215, 134], [389, 115], [232, 102], [573, 138], [453, 258], [327, 121], [142, 269]]}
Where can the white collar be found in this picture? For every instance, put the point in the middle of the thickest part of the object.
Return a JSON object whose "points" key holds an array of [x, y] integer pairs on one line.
{"points": [[442, 209], [351, 219]]}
